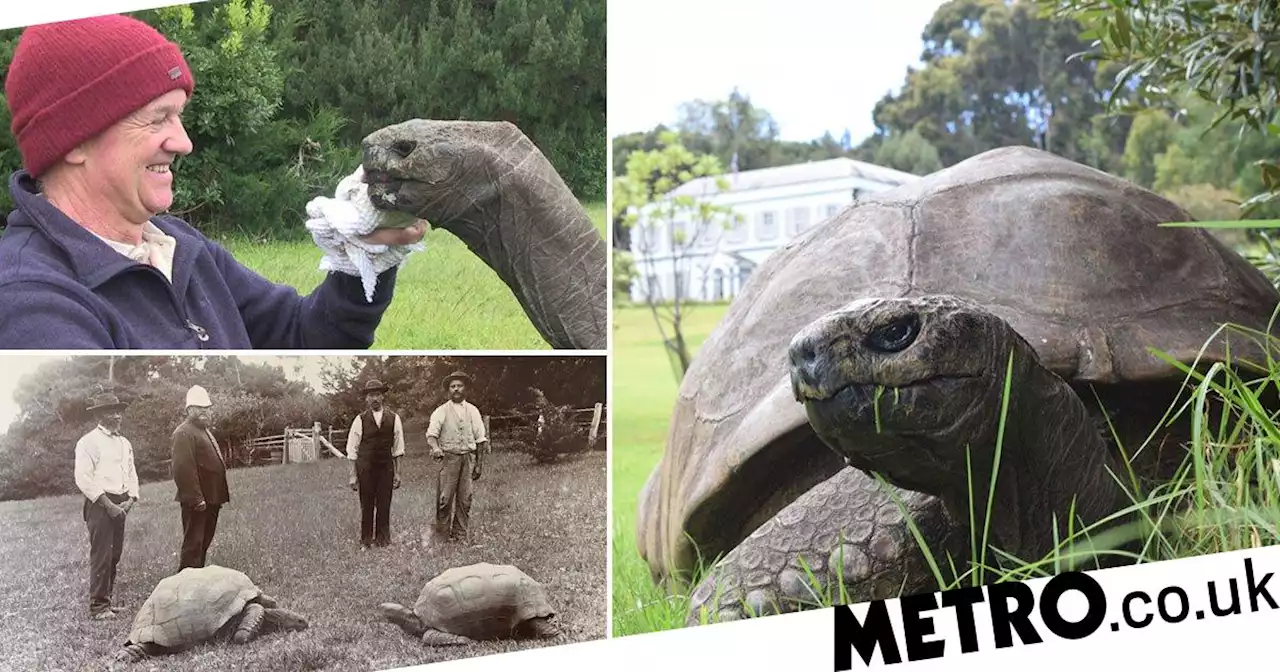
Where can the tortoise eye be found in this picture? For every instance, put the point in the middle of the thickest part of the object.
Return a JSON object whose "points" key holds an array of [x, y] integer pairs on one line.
{"points": [[894, 336], [403, 148]]}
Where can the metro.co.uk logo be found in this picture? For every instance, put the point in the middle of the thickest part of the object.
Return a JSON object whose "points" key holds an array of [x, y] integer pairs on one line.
{"points": [[1010, 606]]}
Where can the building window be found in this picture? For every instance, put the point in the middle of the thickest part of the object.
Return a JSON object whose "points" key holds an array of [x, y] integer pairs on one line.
{"points": [[832, 210], [717, 287], [857, 194], [797, 220], [766, 226]]}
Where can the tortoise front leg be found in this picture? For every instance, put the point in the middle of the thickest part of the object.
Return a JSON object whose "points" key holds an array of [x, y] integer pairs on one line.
{"points": [[433, 637], [132, 653], [403, 617], [541, 628], [844, 531], [250, 623]]}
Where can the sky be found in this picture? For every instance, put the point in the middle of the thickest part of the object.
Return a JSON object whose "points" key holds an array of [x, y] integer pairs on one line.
{"points": [[815, 65], [15, 367]]}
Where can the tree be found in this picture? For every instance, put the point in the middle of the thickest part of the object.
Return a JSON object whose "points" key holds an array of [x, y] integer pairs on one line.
{"points": [[997, 74], [673, 223], [908, 152], [1149, 136], [1222, 52], [37, 452]]}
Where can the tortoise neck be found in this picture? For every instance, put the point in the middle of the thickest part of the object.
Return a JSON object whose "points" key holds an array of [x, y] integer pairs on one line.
{"points": [[542, 244], [1055, 469]]}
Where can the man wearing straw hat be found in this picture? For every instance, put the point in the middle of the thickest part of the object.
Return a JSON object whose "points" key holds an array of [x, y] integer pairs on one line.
{"points": [[200, 473], [375, 444], [105, 473], [456, 437]]}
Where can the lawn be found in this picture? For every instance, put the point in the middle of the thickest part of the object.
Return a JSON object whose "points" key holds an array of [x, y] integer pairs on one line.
{"points": [[644, 392], [294, 530], [446, 297]]}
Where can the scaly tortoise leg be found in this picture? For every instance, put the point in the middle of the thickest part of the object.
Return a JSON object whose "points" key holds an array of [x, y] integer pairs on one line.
{"points": [[403, 617], [132, 653], [250, 623], [846, 529]]}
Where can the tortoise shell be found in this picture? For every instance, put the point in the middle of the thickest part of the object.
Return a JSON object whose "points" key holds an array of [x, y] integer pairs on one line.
{"points": [[191, 606], [481, 601], [1072, 257]]}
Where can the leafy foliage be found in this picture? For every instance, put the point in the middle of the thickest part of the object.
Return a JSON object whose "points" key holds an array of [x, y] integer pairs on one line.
{"points": [[1176, 95], [670, 225], [287, 89], [1222, 52]]}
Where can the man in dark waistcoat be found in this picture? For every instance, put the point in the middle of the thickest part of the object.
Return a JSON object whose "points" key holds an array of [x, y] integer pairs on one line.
{"points": [[200, 472], [375, 444]]}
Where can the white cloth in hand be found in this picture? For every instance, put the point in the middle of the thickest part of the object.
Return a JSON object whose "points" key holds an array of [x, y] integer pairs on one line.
{"points": [[337, 223]]}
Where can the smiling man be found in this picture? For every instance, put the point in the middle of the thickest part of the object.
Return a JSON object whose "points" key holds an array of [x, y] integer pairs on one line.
{"points": [[87, 261]]}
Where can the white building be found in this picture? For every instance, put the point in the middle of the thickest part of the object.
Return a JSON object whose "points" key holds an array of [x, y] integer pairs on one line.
{"points": [[774, 205]]}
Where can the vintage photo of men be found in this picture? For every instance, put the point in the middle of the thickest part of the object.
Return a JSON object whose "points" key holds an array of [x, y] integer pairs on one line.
{"points": [[336, 492]]}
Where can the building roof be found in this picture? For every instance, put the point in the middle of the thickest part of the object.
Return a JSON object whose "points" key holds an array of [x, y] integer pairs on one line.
{"points": [[796, 173]]}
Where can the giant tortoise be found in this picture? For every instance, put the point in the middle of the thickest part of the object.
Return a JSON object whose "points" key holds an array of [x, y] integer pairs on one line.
{"points": [[201, 605], [879, 342], [488, 184], [477, 602]]}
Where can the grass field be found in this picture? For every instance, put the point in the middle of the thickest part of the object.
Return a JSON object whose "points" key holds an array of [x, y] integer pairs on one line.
{"points": [[294, 530], [644, 390], [446, 297]]}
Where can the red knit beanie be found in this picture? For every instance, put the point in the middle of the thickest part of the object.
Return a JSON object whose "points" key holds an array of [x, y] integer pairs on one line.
{"points": [[70, 81]]}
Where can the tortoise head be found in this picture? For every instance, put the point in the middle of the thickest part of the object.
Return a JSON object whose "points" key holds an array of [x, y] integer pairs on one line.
{"points": [[437, 170], [285, 619], [918, 378]]}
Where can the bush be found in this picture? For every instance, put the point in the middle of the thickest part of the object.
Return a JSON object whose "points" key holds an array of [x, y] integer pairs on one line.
{"points": [[559, 436]]}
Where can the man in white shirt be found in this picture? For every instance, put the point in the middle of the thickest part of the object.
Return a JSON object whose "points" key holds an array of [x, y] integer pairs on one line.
{"points": [[457, 437], [106, 475], [375, 444]]}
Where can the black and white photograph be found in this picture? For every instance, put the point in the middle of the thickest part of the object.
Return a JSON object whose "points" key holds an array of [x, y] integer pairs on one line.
{"points": [[178, 512]]}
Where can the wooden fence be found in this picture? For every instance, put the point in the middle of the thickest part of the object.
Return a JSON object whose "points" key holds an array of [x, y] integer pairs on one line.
{"points": [[308, 444]]}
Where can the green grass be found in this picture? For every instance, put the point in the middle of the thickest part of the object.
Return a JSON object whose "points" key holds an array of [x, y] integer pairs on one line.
{"points": [[644, 390], [1225, 497], [294, 530], [446, 297]]}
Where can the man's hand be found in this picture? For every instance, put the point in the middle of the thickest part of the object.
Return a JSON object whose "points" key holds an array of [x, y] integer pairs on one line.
{"points": [[352, 482], [437, 455], [113, 509], [201, 506], [406, 236], [395, 483], [475, 473], [128, 504]]}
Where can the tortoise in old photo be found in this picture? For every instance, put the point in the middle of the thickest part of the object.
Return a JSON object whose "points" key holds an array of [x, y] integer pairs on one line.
{"points": [[474, 603], [488, 184], [879, 341], [205, 604]]}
